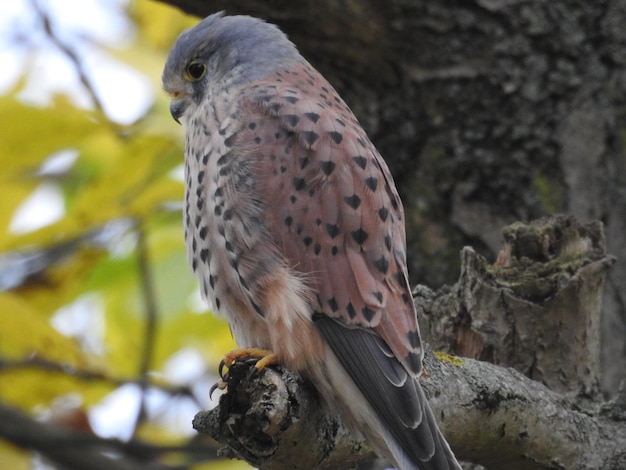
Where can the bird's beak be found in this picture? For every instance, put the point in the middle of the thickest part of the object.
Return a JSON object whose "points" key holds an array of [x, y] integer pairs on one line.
{"points": [[177, 108]]}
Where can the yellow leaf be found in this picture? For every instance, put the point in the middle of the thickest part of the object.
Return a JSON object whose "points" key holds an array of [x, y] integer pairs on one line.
{"points": [[25, 334], [33, 133], [222, 465], [160, 24], [14, 458], [18, 318], [60, 282]]}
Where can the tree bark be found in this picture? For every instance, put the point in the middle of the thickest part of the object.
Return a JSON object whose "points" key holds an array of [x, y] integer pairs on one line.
{"points": [[490, 415], [275, 419], [536, 309]]}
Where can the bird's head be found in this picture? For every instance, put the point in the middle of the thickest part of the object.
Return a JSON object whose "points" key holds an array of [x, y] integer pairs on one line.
{"points": [[220, 52]]}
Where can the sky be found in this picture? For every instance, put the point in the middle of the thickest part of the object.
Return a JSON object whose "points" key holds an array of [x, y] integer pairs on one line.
{"points": [[88, 28]]}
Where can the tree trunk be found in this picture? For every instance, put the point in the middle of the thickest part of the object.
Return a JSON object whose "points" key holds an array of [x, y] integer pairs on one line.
{"points": [[536, 309]]}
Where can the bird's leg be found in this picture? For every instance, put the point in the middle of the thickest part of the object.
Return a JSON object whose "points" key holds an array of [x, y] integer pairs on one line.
{"points": [[262, 358]]}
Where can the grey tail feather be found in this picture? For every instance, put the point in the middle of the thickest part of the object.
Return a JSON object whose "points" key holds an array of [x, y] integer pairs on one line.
{"points": [[413, 437]]}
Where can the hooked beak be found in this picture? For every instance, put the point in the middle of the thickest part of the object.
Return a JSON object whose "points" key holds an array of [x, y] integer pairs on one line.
{"points": [[177, 108]]}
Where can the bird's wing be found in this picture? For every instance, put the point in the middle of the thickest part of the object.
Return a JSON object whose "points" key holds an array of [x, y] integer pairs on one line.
{"points": [[336, 215], [337, 219]]}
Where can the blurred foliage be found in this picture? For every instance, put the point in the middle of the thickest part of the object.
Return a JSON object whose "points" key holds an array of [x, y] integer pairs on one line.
{"points": [[120, 174]]}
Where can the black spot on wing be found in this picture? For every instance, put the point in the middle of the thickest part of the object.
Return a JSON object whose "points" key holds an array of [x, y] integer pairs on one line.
{"points": [[388, 242], [336, 137], [313, 117], [382, 264], [360, 161], [414, 339], [229, 141], [371, 182], [353, 201], [310, 137], [383, 213], [291, 120], [332, 230], [351, 311], [368, 314], [327, 167], [299, 184], [359, 236]]}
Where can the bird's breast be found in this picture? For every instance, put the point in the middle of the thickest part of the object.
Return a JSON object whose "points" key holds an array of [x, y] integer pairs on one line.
{"points": [[227, 242]]}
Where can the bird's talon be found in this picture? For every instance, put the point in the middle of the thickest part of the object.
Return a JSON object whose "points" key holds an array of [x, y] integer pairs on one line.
{"points": [[222, 384]]}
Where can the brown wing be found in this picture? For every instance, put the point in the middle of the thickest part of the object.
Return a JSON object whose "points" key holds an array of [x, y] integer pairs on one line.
{"points": [[336, 215]]}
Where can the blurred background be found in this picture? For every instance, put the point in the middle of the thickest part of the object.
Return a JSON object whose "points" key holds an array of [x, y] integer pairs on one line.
{"points": [[102, 328]]}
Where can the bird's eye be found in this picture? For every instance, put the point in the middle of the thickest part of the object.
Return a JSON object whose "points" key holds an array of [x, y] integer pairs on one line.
{"points": [[194, 71]]}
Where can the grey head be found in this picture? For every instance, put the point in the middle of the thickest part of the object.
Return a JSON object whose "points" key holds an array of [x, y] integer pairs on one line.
{"points": [[223, 51]]}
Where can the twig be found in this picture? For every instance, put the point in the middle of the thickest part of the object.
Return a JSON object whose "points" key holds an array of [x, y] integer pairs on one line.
{"points": [[149, 296], [37, 362], [80, 69], [81, 450]]}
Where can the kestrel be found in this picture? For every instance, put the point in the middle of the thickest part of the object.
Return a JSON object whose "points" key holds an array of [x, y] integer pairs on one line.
{"points": [[295, 230]]}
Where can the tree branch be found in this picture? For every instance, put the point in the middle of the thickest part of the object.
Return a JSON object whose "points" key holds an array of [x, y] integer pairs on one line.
{"points": [[72, 449], [273, 419], [491, 415], [535, 309]]}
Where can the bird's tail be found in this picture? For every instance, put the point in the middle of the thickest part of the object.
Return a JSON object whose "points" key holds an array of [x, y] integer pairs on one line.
{"points": [[377, 396]]}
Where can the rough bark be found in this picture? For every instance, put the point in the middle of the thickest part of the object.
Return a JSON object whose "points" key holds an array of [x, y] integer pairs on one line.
{"points": [[274, 419], [491, 415], [537, 308]]}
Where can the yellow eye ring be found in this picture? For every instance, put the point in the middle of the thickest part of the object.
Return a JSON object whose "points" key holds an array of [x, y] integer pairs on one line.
{"points": [[194, 71]]}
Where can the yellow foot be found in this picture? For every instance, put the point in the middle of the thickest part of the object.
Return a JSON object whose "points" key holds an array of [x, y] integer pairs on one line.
{"points": [[262, 357]]}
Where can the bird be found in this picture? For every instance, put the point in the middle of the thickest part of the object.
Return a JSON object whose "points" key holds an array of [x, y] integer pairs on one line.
{"points": [[295, 231]]}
